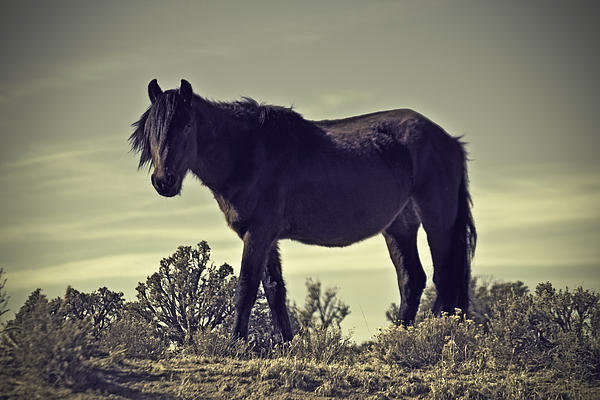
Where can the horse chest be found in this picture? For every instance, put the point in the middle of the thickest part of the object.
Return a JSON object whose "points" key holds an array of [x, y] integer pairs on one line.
{"points": [[235, 219]]}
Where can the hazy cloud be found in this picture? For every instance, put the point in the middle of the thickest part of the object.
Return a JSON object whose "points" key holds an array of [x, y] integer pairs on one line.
{"points": [[331, 105], [112, 267], [70, 73], [533, 195]]}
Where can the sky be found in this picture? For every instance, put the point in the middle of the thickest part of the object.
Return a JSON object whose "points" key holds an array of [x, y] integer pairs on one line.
{"points": [[517, 79]]}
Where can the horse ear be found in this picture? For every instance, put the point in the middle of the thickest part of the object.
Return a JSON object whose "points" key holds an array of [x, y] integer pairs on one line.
{"points": [[185, 91], [154, 91]]}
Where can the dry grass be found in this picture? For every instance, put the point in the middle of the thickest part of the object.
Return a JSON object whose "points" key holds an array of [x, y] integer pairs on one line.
{"points": [[197, 377]]}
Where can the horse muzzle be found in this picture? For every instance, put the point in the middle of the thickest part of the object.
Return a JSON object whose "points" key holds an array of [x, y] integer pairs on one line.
{"points": [[167, 185]]}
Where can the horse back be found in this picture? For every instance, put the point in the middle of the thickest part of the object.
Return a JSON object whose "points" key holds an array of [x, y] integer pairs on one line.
{"points": [[366, 122]]}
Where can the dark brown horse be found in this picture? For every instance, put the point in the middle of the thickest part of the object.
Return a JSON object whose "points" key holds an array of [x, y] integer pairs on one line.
{"points": [[276, 175]]}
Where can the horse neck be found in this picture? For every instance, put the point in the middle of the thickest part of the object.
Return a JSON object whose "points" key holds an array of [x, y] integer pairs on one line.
{"points": [[226, 139]]}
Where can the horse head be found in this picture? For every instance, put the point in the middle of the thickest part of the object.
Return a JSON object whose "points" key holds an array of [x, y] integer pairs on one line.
{"points": [[168, 131]]}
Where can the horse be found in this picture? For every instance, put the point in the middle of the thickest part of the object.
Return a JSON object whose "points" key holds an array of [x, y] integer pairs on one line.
{"points": [[276, 175]]}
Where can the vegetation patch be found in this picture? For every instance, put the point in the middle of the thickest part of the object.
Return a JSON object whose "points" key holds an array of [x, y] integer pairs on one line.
{"points": [[174, 342]]}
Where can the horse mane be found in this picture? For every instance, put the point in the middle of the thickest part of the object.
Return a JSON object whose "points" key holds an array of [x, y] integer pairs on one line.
{"points": [[139, 141], [273, 124]]}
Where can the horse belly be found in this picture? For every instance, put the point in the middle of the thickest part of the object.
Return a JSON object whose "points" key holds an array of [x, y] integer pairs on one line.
{"points": [[342, 213]]}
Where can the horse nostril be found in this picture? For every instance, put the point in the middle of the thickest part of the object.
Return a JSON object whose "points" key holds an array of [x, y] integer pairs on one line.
{"points": [[169, 180], [164, 183]]}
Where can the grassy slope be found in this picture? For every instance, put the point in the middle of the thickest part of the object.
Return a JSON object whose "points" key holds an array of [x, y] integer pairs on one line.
{"points": [[193, 377]]}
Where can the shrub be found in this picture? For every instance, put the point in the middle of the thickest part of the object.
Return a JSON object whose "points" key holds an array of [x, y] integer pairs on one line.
{"points": [[486, 295], [318, 337], [322, 345], [218, 342], [321, 309], [515, 329], [262, 336], [545, 329], [39, 344], [132, 335], [548, 329], [187, 294], [482, 296], [576, 311], [428, 342], [101, 307], [318, 333], [393, 314]]}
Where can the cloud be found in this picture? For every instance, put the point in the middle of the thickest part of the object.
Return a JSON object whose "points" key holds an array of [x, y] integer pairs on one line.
{"points": [[67, 201], [336, 103], [71, 73], [111, 267], [537, 216], [54, 158], [513, 198]]}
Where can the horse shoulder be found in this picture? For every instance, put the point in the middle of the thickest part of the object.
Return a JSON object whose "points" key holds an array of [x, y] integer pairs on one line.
{"points": [[254, 196]]}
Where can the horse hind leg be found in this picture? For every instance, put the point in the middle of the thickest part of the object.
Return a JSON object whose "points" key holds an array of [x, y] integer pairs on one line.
{"points": [[401, 240], [274, 287], [451, 237]]}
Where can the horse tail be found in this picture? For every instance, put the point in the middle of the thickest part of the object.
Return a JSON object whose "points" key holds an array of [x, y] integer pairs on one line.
{"points": [[464, 239]]}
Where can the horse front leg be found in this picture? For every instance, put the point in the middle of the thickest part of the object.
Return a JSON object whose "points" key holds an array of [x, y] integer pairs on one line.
{"points": [[275, 292], [254, 259]]}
